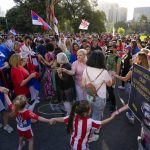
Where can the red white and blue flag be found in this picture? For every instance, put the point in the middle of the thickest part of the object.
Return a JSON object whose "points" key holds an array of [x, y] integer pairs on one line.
{"points": [[37, 20], [13, 31]]}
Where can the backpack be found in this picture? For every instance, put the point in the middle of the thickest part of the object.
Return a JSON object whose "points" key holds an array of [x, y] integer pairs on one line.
{"points": [[90, 87]]}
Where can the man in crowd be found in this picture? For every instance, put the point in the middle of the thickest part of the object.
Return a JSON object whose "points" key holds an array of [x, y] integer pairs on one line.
{"points": [[113, 65]]}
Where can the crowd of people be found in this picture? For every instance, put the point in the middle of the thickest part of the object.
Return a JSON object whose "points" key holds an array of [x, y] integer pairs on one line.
{"points": [[80, 71]]}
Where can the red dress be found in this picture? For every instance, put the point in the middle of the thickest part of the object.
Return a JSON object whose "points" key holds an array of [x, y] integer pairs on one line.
{"points": [[18, 74]]}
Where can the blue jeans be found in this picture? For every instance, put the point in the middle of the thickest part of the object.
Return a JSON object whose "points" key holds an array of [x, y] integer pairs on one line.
{"points": [[98, 108]]}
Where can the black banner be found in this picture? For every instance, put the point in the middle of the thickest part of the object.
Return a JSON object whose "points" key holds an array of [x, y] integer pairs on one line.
{"points": [[139, 101]]}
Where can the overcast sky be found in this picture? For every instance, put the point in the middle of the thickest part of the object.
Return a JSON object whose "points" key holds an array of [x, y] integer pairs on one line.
{"points": [[130, 4]]}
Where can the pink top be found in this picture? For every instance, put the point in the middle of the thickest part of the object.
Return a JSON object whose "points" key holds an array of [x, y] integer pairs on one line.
{"points": [[78, 68]]}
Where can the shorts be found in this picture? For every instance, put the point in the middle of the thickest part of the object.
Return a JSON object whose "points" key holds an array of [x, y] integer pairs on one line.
{"points": [[26, 134]]}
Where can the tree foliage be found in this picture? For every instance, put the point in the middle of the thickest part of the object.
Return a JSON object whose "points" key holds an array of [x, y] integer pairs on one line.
{"points": [[120, 24], [143, 23], [19, 16], [3, 24], [68, 12], [121, 31]]}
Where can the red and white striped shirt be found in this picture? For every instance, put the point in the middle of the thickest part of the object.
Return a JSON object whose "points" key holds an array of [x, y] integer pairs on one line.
{"points": [[82, 128]]}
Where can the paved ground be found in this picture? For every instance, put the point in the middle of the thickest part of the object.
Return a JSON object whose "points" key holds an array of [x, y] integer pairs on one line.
{"points": [[117, 135]]}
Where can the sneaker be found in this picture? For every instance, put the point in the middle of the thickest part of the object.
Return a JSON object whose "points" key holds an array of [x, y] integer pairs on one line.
{"points": [[38, 98], [121, 87], [130, 118], [139, 139], [36, 101], [1, 125], [8, 128], [21, 146], [94, 137]]}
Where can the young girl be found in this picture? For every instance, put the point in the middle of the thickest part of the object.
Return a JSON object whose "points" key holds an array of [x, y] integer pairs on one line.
{"points": [[79, 125], [23, 118]]}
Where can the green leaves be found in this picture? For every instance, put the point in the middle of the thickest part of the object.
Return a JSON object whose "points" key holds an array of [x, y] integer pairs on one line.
{"points": [[68, 12]]}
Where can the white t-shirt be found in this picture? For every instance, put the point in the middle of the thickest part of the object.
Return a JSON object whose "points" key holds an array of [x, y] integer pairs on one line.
{"points": [[26, 51], [103, 78]]}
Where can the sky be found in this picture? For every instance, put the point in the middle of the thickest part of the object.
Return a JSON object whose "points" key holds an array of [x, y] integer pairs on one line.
{"points": [[130, 4], [6, 4]]}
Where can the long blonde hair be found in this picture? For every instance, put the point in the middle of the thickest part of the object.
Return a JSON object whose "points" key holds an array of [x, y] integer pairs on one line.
{"points": [[19, 104], [143, 61], [15, 60]]}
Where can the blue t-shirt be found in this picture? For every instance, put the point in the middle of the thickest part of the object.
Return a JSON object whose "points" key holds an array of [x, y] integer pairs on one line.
{"points": [[2, 59], [135, 50], [6, 51], [41, 50], [72, 58]]}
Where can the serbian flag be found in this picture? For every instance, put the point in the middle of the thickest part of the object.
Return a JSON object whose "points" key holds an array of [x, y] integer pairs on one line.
{"points": [[13, 31], [84, 25], [37, 20]]}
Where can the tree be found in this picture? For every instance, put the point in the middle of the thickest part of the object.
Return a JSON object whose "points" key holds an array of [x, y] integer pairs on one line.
{"points": [[121, 31], [97, 22], [143, 23], [120, 24], [22, 20], [3, 24], [68, 12]]}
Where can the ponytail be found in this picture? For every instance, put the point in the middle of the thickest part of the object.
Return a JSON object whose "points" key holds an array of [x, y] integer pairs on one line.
{"points": [[80, 108], [71, 117]]}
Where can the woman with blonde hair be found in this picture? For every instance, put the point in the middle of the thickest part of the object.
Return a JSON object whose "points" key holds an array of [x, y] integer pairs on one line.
{"points": [[21, 78], [77, 70], [65, 83]]}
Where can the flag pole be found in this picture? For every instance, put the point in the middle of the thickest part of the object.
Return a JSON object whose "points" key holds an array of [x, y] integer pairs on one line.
{"points": [[6, 24]]}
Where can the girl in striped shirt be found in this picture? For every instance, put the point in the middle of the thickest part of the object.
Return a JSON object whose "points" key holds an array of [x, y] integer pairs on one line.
{"points": [[79, 125]]}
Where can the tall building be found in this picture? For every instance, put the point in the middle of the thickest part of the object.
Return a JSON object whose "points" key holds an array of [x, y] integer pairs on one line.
{"points": [[139, 11], [113, 12], [2, 13], [122, 14], [103, 6]]}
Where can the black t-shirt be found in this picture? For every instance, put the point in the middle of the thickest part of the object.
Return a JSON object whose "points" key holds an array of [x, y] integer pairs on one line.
{"points": [[41, 50], [125, 63], [96, 48], [66, 81]]}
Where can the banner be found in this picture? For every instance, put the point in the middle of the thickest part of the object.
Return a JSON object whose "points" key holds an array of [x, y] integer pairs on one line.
{"points": [[84, 25], [139, 101]]}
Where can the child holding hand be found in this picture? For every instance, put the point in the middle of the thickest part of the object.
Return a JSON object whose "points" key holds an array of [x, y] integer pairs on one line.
{"points": [[23, 117], [79, 125]]}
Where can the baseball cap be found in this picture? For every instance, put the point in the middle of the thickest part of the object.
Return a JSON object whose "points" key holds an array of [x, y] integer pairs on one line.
{"points": [[128, 47]]}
